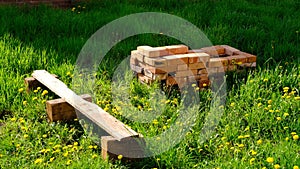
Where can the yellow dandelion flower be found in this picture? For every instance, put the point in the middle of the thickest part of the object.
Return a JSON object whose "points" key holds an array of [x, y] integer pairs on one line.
{"points": [[252, 160], [286, 88], [13, 119], [51, 159], [45, 92], [155, 122], [44, 135], [276, 166], [21, 90], [26, 136], [293, 133], [285, 114], [69, 162], [285, 127], [241, 145], [295, 167], [91, 147], [24, 102], [165, 127], [264, 168], [265, 80], [287, 139], [295, 137], [240, 137], [68, 73], [253, 152], [39, 160], [120, 156], [270, 160], [75, 143], [94, 156], [247, 128], [194, 85], [259, 104], [95, 147], [57, 146], [38, 88], [204, 85], [297, 98], [35, 91], [66, 154], [247, 135], [278, 118], [269, 101], [232, 104], [157, 138], [259, 141], [35, 98], [106, 109]]}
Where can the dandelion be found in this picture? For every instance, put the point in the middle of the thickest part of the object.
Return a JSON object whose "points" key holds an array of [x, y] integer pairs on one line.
{"points": [[241, 137], [44, 135], [259, 104], [94, 156], [285, 114], [265, 80], [35, 98], [13, 119], [66, 154], [204, 85], [247, 135], [193, 85], [73, 9], [270, 160], [39, 160], [285, 128], [295, 137], [24, 102], [297, 98], [286, 89], [75, 143], [259, 141], [278, 118], [232, 104], [287, 139], [253, 152], [155, 122], [295, 167], [68, 73], [26, 136], [241, 145], [120, 156], [95, 147], [293, 133], [91, 147], [45, 92], [51, 159], [69, 162], [276, 166], [21, 90], [269, 101], [252, 160], [35, 91]]}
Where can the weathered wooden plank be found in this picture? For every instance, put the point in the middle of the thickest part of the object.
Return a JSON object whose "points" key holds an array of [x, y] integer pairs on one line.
{"points": [[104, 120]]}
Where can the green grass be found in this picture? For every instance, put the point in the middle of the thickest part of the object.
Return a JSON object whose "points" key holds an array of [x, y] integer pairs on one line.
{"points": [[51, 39]]}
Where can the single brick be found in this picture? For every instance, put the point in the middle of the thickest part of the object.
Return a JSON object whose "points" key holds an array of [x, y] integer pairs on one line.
{"points": [[229, 50], [176, 59], [198, 65], [157, 62], [177, 49]]}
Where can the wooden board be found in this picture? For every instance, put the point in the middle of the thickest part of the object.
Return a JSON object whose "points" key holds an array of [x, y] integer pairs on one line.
{"points": [[104, 120]]}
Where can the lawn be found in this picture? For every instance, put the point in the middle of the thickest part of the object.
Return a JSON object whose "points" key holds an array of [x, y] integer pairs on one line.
{"points": [[259, 128]]}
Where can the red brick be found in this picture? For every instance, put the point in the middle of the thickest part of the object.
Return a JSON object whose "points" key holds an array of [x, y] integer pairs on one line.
{"points": [[177, 49], [198, 57], [214, 50], [199, 65], [176, 59], [229, 50], [157, 62]]}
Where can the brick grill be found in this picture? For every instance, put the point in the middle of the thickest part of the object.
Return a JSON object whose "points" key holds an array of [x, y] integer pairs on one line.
{"points": [[55, 3], [177, 65]]}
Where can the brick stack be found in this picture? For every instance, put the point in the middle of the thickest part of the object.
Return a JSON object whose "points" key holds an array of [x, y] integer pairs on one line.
{"points": [[177, 65]]}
